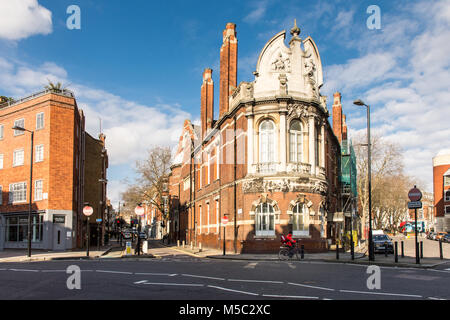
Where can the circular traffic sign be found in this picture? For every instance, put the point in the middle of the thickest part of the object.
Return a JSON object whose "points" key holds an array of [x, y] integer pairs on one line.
{"points": [[139, 211], [414, 194], [87, 211], [224, 221]]}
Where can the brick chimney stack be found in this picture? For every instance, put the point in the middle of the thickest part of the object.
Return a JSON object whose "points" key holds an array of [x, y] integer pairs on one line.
{"points": [[344, 128], [207, 101], [337, 116], [228, 67]]}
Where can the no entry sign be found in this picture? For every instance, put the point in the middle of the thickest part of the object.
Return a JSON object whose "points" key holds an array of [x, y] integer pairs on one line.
{"points": [[87, 211], [224, 221], [139, 211], [414, 194]]}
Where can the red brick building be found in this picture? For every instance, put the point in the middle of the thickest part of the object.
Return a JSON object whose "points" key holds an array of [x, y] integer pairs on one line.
{"points": [[60, 158], [270, 162], [441, 190]]}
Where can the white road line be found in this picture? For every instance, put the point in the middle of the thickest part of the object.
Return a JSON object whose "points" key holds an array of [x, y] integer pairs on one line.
{"points": [[384, 293], [107, 271], [291, 265], [244, 292], [433, 298], [176, 284], [204, 277], [307, 286], [251, 265], [140, 282], [298, 297], [155, 274], [25, 270], [263, 281], [438, 270], [448, 269], [53, 270]]}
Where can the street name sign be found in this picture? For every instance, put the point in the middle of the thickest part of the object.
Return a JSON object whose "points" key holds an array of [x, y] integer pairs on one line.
{"points": [[414, 204]]}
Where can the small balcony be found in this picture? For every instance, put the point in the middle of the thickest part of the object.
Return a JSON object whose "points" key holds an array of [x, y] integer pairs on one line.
{"points": [[266, 167], [299, 168]]}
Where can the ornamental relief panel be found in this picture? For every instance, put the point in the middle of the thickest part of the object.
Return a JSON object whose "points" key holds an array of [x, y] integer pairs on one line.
{"points": [[302, 184]]}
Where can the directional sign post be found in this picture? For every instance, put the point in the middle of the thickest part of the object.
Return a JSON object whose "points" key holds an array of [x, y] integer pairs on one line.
{"points": [[87, 211], [140, 211], [415, 195]]}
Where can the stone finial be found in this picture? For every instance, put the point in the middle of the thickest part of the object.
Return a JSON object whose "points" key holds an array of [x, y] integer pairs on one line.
{"points": [[295, 31]]}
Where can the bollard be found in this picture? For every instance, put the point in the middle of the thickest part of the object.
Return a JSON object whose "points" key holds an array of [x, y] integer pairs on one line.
{"points": [[403, 250], [352, 248], [396, 251], [421, 249], [302, 252], [183, 243], [385, 249], [192, 245], [337, 250], [440, 250], [200, 247], [178, 243]]}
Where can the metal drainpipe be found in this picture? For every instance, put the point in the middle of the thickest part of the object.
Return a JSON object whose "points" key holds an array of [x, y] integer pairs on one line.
{"points": [[235, 191]]}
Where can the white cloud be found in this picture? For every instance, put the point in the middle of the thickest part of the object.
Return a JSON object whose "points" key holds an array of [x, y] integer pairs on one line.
{"points": [[20, 19], [258, 11], [406, 79]]}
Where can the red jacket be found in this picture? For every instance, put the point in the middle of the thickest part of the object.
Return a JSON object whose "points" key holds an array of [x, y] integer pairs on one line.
{"points": [[288, 240]]}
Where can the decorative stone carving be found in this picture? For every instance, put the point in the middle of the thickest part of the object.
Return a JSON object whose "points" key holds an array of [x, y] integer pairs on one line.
{"points": [[249, 90], [281, 64], [283, 83], [310, 70], [302, 184], [298, 110]]}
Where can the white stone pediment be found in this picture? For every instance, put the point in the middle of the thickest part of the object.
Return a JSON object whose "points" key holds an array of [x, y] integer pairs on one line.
{"points": [[283, 70]]}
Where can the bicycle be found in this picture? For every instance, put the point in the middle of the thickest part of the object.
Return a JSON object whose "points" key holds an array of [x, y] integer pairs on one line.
{"points": [[283, 254]]}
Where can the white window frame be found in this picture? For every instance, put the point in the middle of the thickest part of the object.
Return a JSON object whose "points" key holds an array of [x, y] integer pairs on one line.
{"points": [[209, 168], [39, 196], [15, 164], [217, 216], [445, 210], [41, 158], [305, 214], [200, 218], [267, 153], [19, 132], [186, 184], [445, 195], [298, 136], [259, 214], [1, 161], [1, 131], [38, 122], [12, 193], [448, 179], [218, 161], [208, 220]]}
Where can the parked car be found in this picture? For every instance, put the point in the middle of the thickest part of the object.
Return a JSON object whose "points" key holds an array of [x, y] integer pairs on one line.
{"points": [[381, 241], [446, 238], [440, 235], [431, 235]]}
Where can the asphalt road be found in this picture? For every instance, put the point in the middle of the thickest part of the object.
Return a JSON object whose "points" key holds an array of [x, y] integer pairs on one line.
{"points": [[183, 277]]}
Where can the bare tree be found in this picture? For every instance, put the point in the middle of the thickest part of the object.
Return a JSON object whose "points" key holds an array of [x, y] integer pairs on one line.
{"points": [[386, 161]]}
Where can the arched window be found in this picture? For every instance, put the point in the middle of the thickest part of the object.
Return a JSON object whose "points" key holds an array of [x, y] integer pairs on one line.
{"points": [[295, 141], [300, 225], [265, 219], [267, 142], [318, 145]]}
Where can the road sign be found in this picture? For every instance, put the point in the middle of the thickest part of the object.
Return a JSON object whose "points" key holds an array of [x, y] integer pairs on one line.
{"points": [[224, 221], [414, 194], [414, 204], [128, 248], [98, 220], [139, 211], [87, 211]]}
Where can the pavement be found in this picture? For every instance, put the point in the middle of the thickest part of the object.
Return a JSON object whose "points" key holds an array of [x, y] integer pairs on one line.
{"points": [[330, 256], [114, 251]]}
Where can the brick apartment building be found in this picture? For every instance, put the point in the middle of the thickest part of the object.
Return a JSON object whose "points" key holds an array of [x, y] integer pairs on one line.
{"points": [[67, 163], [441, 190], [270, 162]]}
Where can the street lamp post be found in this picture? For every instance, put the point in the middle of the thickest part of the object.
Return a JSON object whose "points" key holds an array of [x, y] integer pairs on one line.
{"points": [[31, 186], [360, 103]]}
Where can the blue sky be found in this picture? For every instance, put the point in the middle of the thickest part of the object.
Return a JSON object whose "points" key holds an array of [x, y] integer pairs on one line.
{"points": [[138, 65]]}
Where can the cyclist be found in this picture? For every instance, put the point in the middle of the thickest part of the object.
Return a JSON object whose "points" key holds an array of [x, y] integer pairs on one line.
{"points": [[289, 242]]}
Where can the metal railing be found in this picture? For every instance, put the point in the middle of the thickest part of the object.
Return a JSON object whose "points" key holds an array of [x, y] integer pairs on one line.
{"points": [[63, 92]]}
